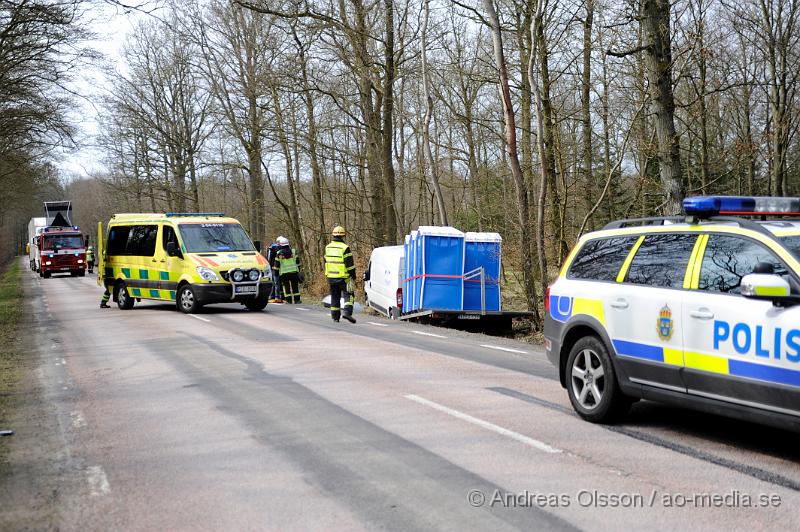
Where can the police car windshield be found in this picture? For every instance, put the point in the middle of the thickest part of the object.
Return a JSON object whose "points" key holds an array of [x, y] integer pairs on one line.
{"points": [[214, 238], [792, 243]]}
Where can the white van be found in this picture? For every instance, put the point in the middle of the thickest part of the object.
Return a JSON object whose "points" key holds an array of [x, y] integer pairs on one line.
{"points": [[383, 280]]}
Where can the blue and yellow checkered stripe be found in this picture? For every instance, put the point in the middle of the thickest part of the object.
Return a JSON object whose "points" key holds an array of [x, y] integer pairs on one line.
{"points": [[143, 274], [706, 362]]}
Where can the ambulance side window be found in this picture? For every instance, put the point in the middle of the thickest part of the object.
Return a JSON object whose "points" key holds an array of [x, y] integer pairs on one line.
{"points": [[169, 236], [661, 260], [729, 258], [117, 239], [142, 241], [601, 259]]}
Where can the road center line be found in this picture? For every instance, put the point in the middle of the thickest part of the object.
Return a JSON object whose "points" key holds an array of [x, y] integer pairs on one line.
{"points": [[423, 333], [536, 444], [506, 349], [199, 318], [376, 324], [98, 482]]}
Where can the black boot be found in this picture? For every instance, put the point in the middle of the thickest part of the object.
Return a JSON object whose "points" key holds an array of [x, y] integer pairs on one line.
{"points": [[349, 318]]}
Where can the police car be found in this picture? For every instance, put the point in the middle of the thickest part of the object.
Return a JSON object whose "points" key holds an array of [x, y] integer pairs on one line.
{"points": [[701, 310]]}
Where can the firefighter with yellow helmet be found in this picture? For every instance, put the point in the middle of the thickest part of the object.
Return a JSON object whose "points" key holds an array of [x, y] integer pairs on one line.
{"points": [[341, 273]]}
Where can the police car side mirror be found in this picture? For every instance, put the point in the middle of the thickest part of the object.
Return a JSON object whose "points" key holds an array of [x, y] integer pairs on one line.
{"points": [[257, 244], [767, 286]]}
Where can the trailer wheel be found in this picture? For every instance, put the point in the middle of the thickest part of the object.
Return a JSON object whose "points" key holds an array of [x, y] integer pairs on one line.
{"points": [[124, 299]]}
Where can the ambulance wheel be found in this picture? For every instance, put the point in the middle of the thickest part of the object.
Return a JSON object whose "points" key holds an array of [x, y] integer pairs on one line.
{"points": [[592, 382], [124, 299], [46, 275], [257, 304], [81, 273], [186, 300]]}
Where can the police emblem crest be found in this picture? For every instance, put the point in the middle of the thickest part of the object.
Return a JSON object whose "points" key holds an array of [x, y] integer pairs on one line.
{"points": [[664, 324]]}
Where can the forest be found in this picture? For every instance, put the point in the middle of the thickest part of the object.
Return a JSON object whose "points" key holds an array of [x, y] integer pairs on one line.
{"points": [[538, 119]]}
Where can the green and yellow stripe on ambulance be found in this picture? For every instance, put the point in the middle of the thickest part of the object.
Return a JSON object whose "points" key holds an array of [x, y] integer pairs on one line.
{"points": [[147, 282]]}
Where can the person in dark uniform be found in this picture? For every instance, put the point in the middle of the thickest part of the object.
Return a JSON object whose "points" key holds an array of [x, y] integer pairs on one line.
{"points": [[288, 266], [341, 273], [272, 256]]}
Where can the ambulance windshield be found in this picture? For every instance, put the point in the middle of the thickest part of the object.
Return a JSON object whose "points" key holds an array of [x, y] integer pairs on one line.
{"points": [[214, 238]]}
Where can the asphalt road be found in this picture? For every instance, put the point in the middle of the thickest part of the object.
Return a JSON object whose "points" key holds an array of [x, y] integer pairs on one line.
{"points": [[150, 419]]}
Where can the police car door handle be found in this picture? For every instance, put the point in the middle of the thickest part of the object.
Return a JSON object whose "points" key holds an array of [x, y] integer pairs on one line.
{"points": [[619, 303], [702, 314]]}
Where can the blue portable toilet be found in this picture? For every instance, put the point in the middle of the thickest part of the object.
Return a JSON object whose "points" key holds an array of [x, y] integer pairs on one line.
{"points": [[482, 250], [439, 268], [408, 275]]}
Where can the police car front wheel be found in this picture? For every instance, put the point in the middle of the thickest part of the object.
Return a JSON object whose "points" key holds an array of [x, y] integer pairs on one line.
{"points": [[592, 382]]}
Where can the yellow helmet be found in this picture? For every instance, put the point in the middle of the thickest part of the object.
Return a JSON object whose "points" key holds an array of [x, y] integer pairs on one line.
{"points": [[338, 231]]}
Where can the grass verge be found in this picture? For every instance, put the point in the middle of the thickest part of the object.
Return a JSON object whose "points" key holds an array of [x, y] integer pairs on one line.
{"points": [[11, 309]]}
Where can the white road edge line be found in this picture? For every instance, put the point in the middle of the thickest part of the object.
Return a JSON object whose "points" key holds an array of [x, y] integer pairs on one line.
{"points": [[423, 333], [506, 349], [98, 482], [536, 444], [199, 318], [376, 324], [302, 309]]}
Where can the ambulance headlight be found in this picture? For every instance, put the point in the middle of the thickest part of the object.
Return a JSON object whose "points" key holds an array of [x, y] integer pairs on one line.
{"points": [[254, 275], [237, 276], [80, 261], [207, 274], [48, 263]]}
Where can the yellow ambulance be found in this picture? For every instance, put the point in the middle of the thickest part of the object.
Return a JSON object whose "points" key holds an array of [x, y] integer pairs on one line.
{"points": [[192, 259]]}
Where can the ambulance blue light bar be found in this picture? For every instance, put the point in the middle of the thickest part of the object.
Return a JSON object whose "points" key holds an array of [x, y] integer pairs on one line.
{"points": [[741, 206], [174, 214]]}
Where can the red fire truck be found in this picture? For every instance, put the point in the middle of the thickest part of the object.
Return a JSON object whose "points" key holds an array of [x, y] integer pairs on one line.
{"points": [[61, 245]]}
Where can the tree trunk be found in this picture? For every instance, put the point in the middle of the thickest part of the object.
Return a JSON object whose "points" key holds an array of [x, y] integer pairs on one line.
{"points": [[658, 62], [513, 158]]}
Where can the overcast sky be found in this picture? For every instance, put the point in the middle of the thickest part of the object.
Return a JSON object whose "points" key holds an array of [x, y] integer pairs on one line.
{"points": [[111, 25]]}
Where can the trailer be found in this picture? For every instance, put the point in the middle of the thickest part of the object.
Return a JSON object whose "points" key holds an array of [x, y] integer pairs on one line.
{"points": [[453, 279], [35, 226]]}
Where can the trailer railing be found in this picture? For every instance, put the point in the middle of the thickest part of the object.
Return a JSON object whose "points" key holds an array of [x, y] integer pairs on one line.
{"points": [[472, 274]]}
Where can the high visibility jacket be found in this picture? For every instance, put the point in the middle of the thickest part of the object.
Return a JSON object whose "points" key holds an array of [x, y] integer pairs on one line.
{"points": [[287, 265], [90, 256], [338, 261]]}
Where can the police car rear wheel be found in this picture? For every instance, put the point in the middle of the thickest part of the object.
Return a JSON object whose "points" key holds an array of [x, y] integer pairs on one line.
{"points": [[187, 302], [592, 382], [124, 299]]}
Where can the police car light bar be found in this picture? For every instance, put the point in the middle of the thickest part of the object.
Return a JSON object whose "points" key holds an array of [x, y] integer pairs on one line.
{"points": [[174, 214], [741, 205]]}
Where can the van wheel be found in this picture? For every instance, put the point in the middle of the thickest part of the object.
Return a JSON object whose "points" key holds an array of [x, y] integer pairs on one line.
{"points": [[592, 382], [124, 299], [186, 300], [257, 304]]}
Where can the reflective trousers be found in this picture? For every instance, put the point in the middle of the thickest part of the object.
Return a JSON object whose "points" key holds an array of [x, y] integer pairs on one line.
{"points": [[290, 282], [339, 289]]}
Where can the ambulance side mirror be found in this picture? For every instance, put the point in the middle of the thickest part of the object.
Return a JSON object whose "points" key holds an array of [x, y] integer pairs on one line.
{"points": [[768, 286], [257, 244], [172, 250]]}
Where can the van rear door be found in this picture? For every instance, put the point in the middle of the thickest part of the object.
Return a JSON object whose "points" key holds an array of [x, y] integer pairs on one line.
{"points": [[101, 254]]}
